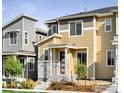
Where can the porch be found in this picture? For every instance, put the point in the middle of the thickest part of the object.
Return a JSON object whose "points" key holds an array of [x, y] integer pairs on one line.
{"points": [[58, 62]]}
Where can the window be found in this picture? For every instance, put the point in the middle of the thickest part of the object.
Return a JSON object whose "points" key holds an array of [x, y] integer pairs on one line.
{"points": [[75, 28], [82, 57], [46, 54], [31, 64], [108, 25], [40, 38], [110, 58], [13, 38], [53, 30], [26, 38]]}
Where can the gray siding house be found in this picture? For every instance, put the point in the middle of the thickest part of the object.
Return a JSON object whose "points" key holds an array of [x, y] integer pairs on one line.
{"points": [[19, 36]]}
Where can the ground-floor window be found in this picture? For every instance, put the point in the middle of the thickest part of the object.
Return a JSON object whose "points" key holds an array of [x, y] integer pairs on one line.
{"points": [[31, 64], [22, 61], [82, 57], [110, 57], [46, 54]]}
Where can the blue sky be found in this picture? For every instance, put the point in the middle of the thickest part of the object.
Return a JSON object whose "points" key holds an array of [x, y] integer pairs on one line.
{"points": [[48, 9]]}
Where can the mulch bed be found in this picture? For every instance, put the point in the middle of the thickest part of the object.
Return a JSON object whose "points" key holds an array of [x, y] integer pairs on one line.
{"points": [[74, 87]]}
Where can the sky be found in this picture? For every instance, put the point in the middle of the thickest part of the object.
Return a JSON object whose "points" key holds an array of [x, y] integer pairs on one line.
{"points": [[48, 9]]}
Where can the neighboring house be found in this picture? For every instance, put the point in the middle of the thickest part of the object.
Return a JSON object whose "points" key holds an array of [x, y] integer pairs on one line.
{"points": [[86, 36], [19, 36]]}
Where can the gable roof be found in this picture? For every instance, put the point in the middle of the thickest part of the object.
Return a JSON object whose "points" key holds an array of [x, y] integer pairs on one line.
{"points": [[86, 14], [18, 17], [54, 35]]}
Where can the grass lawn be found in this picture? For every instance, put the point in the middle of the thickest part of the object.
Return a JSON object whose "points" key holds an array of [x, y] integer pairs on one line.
{"points": [[8, 91]]}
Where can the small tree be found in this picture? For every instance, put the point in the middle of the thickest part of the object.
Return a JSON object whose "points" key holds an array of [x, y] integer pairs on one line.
{"points": [[13, 66], [81, 70]]}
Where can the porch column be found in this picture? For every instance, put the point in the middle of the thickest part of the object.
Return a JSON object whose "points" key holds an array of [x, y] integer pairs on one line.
{"points": [[66, 62], [116, 60], [51, 62], [27, 67]]}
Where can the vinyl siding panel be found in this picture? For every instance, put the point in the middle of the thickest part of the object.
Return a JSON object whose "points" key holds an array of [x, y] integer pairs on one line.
{"points": [[103, 44], [6, 46]]}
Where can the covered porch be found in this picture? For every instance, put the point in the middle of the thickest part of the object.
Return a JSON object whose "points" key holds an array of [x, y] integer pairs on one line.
{"points": [[61, 62]]}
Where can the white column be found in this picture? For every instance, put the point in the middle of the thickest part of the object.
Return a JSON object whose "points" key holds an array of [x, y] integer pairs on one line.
{"points": [[116, 60], [94, 46], [66, 62], [51, 62], [27, 66]]}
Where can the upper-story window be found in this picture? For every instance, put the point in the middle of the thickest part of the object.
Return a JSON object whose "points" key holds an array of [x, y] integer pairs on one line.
{"points": [[110, 58], [75, 28], [40, 38], [53, 30], [108, 25], [26, 38], [13, 38]]}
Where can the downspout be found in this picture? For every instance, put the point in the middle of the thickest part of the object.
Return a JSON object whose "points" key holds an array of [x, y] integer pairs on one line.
{"points": [[94, 47]]}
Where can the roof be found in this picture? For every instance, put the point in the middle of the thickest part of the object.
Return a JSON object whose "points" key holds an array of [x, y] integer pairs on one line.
{"points": [[18, 17], [54, 35], [86, 14], [42, 31]]}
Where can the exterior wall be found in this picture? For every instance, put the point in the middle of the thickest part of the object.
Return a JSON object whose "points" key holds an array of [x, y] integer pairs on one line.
{"points": [[29, 26], [103, 44], [6, 46], [37, 37]]}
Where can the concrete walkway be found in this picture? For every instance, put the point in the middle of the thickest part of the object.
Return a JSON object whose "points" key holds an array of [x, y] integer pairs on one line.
{"points": [[111, 89], [42, 85]]}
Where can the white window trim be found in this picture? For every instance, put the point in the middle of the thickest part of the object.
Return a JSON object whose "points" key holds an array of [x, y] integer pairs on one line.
{"points": [[81, 51], [33, 64], [105, 25], [75, 28], [10, 39], [107, 58], [48, 54], [27, 38]]}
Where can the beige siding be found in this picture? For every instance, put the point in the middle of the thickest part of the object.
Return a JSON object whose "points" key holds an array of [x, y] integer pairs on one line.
{"points": [[103, 44]]}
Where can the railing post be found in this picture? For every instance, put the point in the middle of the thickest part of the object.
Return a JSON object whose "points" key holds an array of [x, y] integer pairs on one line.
{"points": [[51, 62]]}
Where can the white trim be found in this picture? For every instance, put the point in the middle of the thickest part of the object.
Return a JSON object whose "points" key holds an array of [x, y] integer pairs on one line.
{"points": [[107, 58], [75, 28], [116, 24], [22, 33], [27, 37], [54, 35], [110, 24], [94, 47], [89, 28], [104, 14], [13, 41]]}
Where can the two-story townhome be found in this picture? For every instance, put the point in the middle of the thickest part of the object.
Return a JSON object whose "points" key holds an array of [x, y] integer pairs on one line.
{"points": [[19, 36], [86, 36]]}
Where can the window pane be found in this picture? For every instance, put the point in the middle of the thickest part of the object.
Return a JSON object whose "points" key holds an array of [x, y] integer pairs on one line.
{"points": [[15, 37], [79, 57], [78, 28], [108, 28], [84, 58], [54, 29], [72, 28], [11, 38], [109, 58], [26, 38], [49, 32], [46, 54]]}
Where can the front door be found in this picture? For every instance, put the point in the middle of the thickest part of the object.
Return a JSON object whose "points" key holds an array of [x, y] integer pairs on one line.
{"points": [[62, 62]]}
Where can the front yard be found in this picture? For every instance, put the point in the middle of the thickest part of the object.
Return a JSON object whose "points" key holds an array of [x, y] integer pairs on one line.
{"points": [[10, 91]]}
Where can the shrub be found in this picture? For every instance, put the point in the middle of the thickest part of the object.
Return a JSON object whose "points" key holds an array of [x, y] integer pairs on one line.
{"points": [[11, 85], [4, 85], [28, 84], [56, 85]]}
